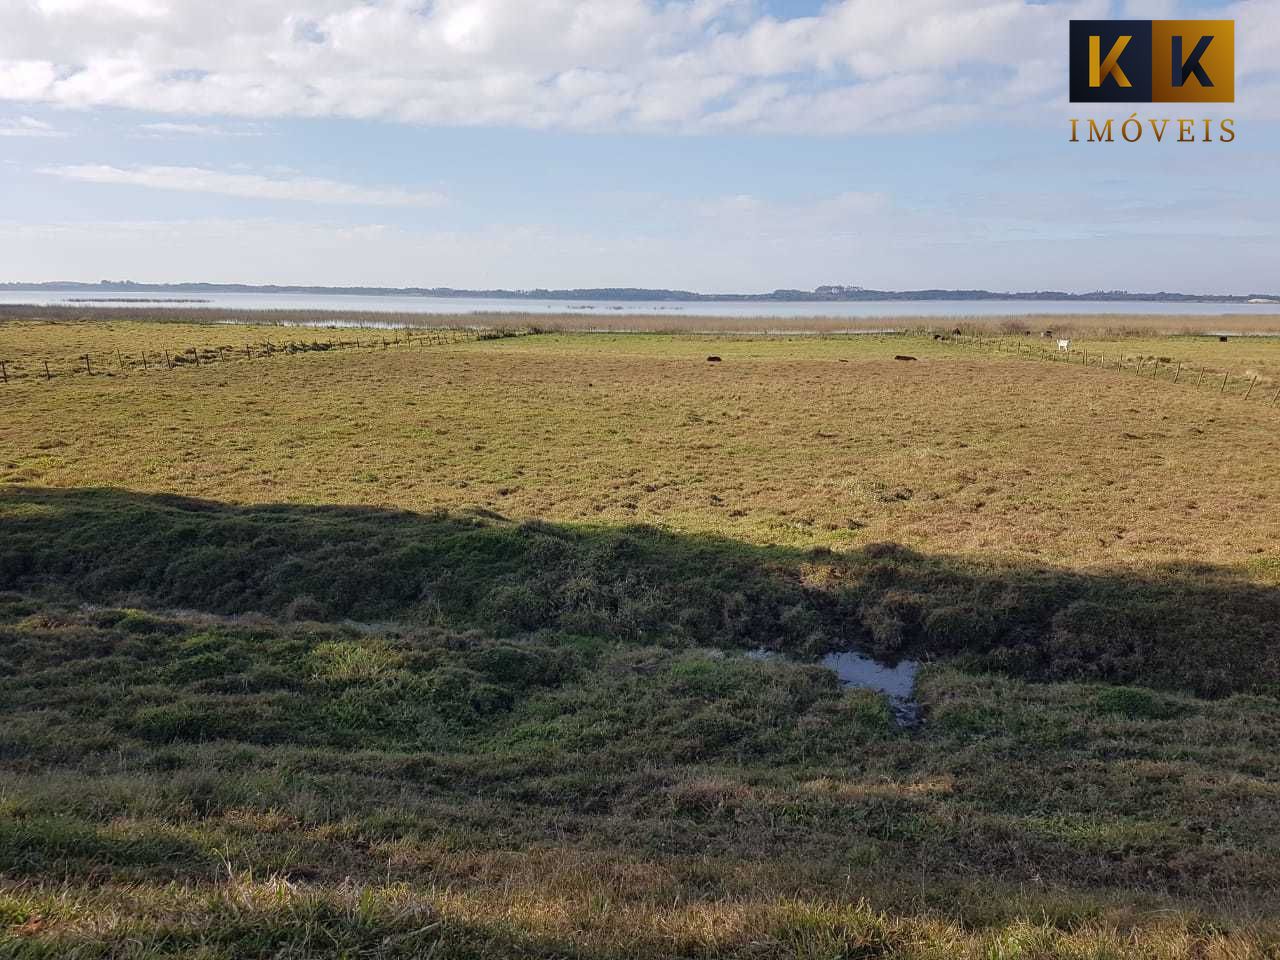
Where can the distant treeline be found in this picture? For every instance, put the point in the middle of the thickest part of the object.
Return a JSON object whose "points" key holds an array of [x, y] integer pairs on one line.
{"points": [[639, 294]]}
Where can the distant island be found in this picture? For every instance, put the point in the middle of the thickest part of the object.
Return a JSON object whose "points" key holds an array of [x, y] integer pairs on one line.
{"points": [[835, 293]]}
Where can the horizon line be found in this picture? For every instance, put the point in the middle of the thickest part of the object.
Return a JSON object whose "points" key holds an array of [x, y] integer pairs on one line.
{"points": [[831, 293]]}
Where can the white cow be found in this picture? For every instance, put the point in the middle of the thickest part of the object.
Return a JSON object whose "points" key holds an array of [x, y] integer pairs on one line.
{"points": [[1064, 346]]}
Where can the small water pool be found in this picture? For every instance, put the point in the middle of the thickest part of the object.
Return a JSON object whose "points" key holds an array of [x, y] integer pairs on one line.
{"points": [[853, 669]]}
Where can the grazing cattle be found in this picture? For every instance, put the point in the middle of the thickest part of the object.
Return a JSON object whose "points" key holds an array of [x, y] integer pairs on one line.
{"points": [[713, 359], [1222, 339], [1064, 346], [903, 357]]}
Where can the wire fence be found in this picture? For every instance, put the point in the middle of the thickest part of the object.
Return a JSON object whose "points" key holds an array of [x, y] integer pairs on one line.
{"points": [[168, 359], [1251, 385]]}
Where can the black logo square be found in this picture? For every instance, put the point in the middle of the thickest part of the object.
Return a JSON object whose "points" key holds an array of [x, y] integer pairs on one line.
{"points": [[1110, 61]]}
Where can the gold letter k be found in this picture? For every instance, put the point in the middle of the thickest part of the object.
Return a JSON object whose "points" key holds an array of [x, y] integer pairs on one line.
{"points": [[1100, 69]]}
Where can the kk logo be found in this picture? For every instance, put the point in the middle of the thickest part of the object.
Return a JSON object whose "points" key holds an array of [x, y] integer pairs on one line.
{"points": [[1153, 61]]}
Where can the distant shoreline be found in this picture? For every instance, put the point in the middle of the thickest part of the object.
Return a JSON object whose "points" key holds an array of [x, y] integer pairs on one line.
{"points": [[834, 294], [136, 300]]}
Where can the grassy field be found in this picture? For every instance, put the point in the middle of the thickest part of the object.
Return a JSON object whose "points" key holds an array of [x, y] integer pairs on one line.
{"points": [[436, 649]]}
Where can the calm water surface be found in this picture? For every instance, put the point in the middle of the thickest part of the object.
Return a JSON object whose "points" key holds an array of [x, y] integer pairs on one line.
{"points": [[854, 669], [464, 305]]}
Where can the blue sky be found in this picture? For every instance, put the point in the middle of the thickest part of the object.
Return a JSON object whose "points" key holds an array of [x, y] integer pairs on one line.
{"points": [[707, 144]]}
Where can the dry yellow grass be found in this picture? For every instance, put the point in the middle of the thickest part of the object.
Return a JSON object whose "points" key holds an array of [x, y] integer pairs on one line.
{"points": [[791, 441], [526, 919]]}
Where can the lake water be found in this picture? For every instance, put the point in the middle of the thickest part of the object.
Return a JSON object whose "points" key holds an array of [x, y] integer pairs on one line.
{"points": [[466, 305]]}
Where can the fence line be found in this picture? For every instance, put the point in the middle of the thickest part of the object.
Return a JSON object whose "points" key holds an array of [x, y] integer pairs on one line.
{"points": [[1038, 351], [90, 364]]}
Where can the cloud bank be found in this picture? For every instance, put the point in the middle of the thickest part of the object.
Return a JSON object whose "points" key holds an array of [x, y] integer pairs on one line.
{"points": [[660, 65]]}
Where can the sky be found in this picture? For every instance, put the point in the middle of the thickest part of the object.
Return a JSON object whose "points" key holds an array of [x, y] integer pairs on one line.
{"points": [[710, 145]]}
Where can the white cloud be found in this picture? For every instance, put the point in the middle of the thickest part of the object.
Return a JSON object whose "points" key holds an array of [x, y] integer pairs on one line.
{"points": [[28, 127], [170, 129], [251, 185], [127, 8], [670, 65], [25, 79]]}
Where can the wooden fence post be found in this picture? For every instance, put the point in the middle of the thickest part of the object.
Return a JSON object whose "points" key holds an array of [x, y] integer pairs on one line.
{"points": [[47, 374], [144, 360], [1178, 375], [1252, 383], [88, 367], [119, 358], [1225, 377], [167, 362], [4, 372]]}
